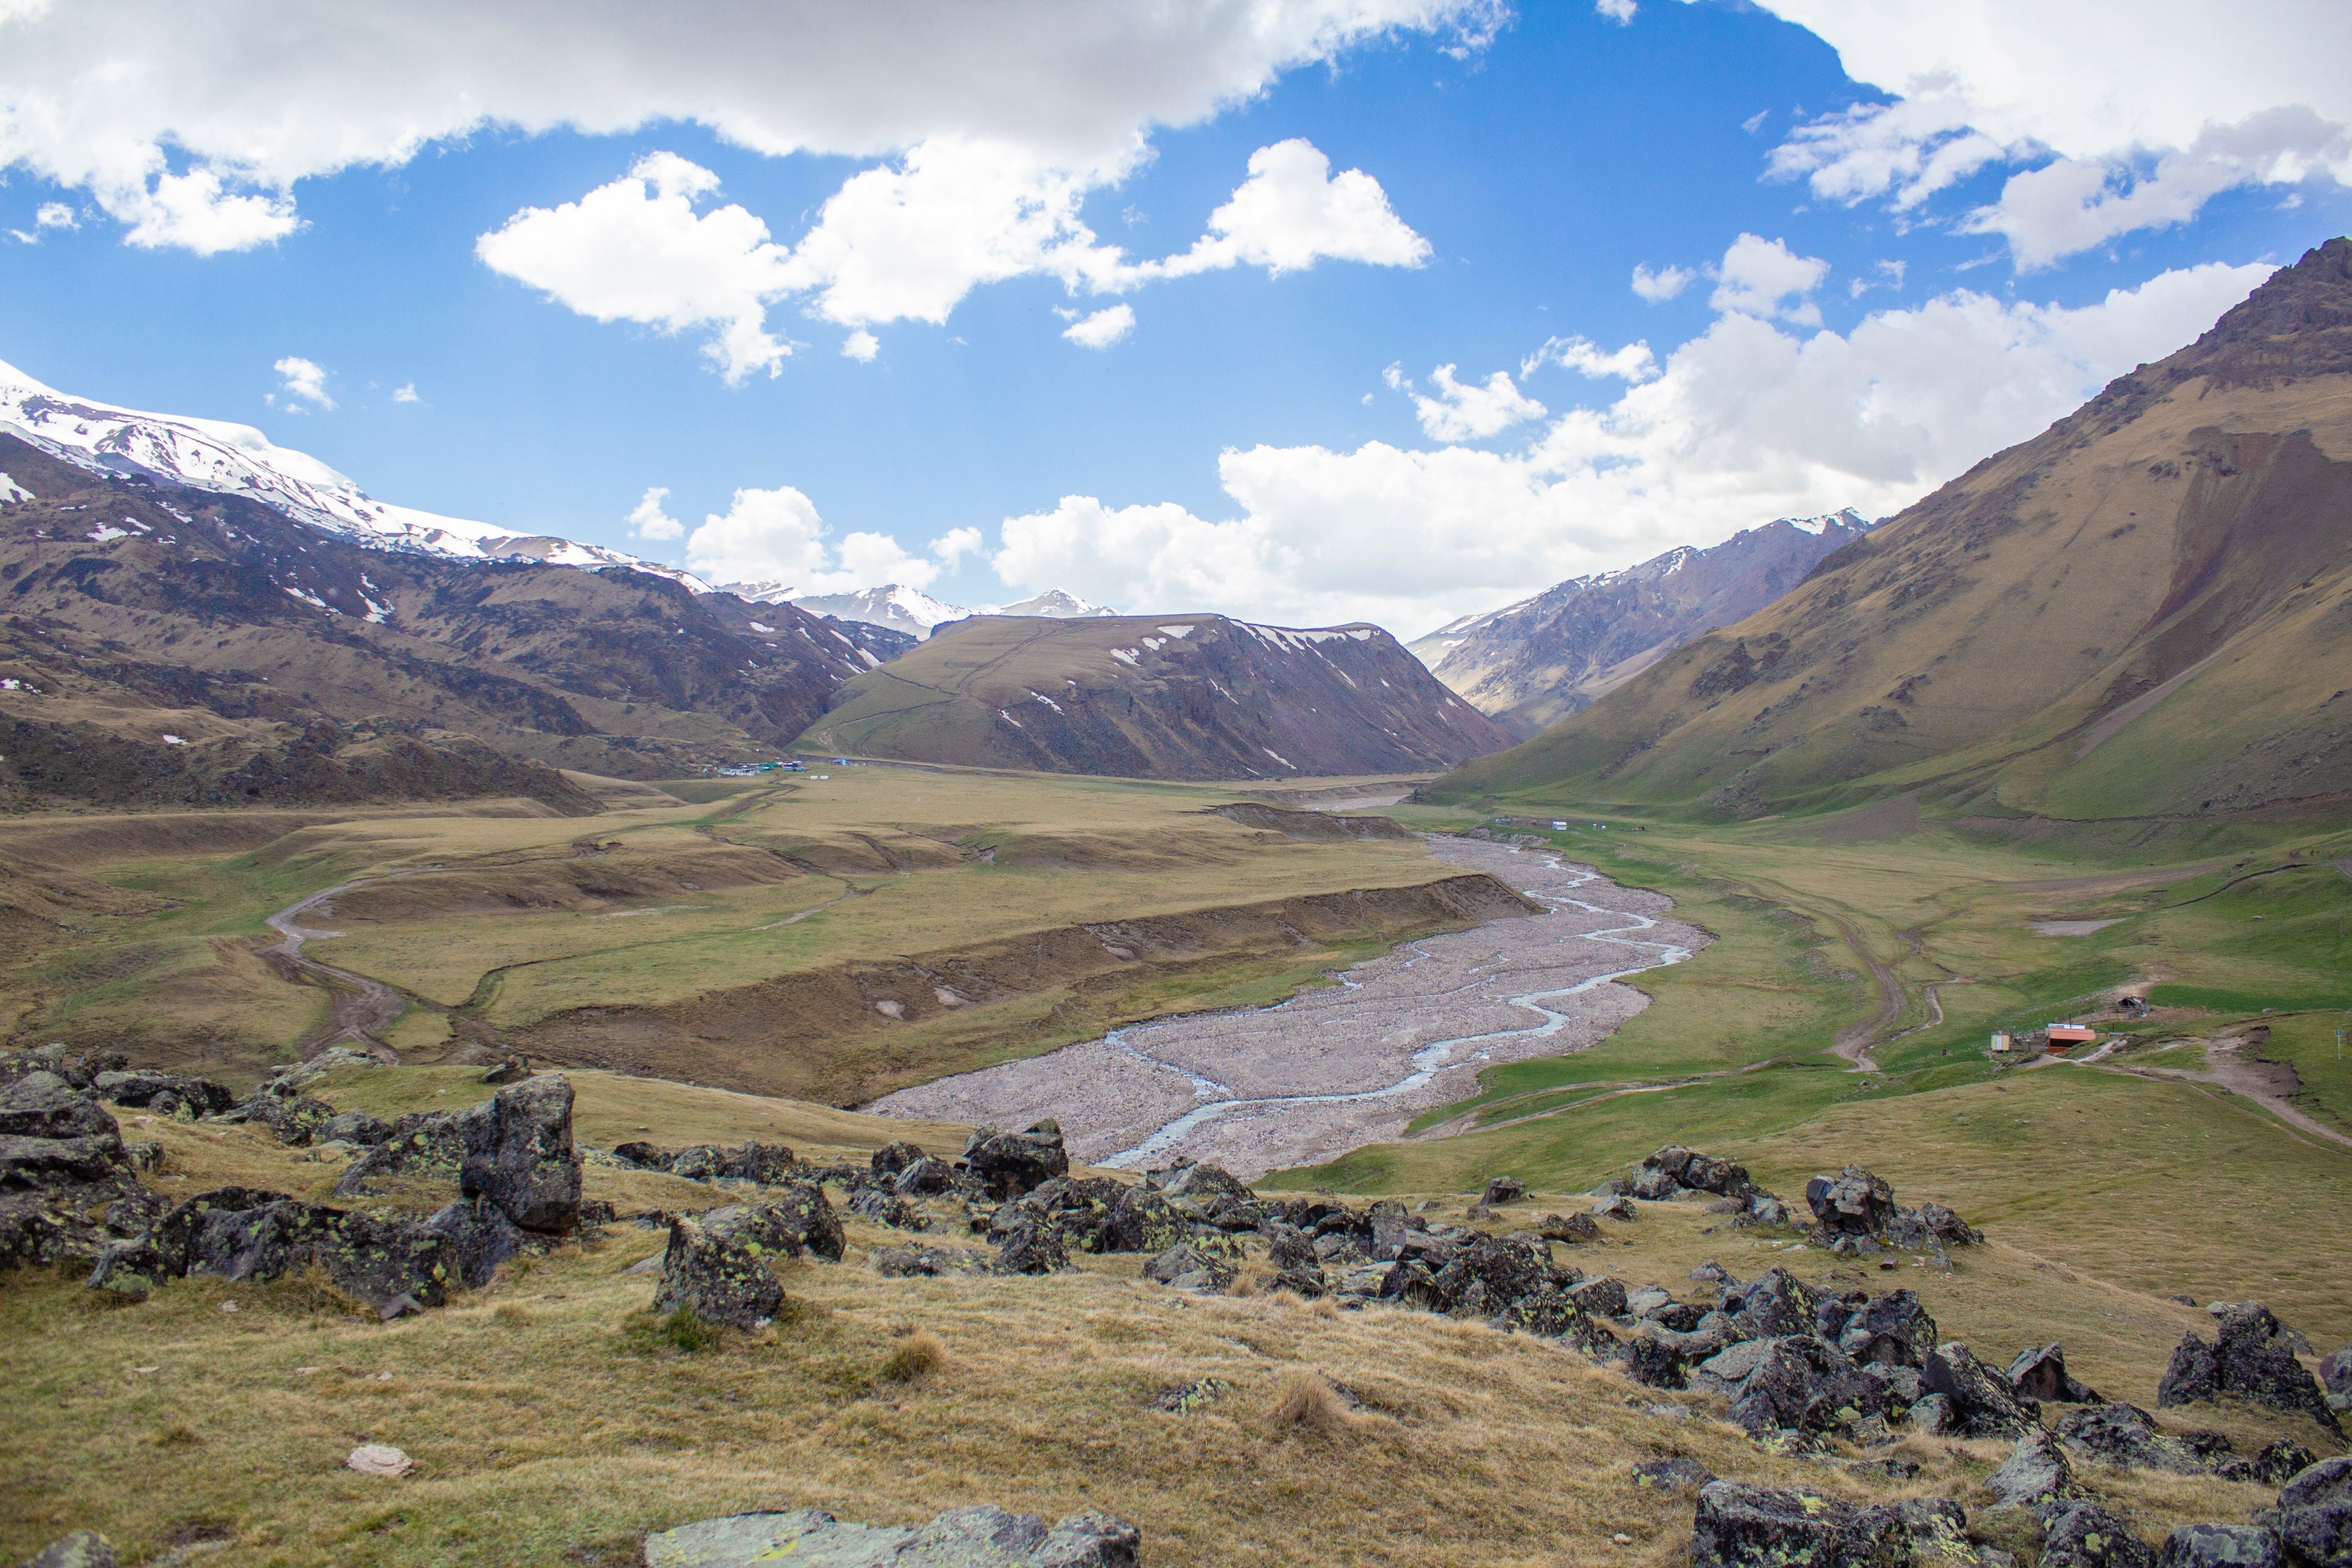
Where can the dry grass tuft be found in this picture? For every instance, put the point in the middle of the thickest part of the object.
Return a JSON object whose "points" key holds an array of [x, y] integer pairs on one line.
{"points": [[916, 1357], [1305, 1401], [511, 1315]]}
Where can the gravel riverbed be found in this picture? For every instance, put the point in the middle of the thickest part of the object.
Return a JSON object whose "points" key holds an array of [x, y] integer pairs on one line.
{"points": [[1340, 1067]]}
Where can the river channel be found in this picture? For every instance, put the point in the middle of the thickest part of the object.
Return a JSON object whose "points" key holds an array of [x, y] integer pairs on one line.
{"points": [[1338, 1067]]}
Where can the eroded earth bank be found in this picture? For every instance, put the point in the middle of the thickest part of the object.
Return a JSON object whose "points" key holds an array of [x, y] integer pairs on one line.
{"points": [[1336, 1067]]}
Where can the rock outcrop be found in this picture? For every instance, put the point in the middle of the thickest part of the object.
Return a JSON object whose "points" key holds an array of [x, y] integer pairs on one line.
{"points": [[965, 1537], [518, 1157], [2249, 1359], [714, 1274], [2314, 1515]]}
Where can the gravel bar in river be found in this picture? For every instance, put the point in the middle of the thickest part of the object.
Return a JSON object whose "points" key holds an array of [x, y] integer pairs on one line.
{"points": [[1338, 1067]]}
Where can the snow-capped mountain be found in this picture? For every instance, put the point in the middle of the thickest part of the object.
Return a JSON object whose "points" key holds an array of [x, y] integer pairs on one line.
{"points": [[237, 460], [1534, 662], [893, 605], [1055, 606], [910, 610]]}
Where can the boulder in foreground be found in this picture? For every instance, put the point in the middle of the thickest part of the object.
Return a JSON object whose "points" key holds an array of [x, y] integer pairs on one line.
{"points": [[963, 1538]]}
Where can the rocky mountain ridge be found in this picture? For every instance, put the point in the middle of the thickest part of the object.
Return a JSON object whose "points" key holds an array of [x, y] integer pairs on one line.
{"points": [[1157, 697], [170, 644], [2143, 612], [1532, 664]]}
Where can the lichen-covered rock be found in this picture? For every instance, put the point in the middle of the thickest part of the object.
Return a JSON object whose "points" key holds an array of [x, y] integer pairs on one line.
{"points": [[1007, 1164], [798, 1219], [764, 1164], [1190, 1268], [2036, 1474], [717, 1278], [1142, 1220], [519, 1154], [1571, 1228], [295, 1120], [2084, 1536], [882, 1206], [54, 1164], [1488, 1275], [965, 1537], [2221, 1546], [480, 1239], [1852, 1203], [428, 1143], [354, 1127], [2039, 1372], [1196, 1180], [2250, 1359], [1774, 1302], [2314, 1515], [1982, 1402], [242, 1235], [924, 1177], [1931, 1225], [1925, 1532], [82, 1549], [1742, 1526], [1893, 1329], [2127, 1437], [1034, 1247], [38, 1230], [1800, 1382], [167, 1094], [1503, 1190], [638, 1155], [44, 1105]]}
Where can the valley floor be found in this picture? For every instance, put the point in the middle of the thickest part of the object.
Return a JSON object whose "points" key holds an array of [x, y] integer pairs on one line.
{"points": [[1335, 1068]]}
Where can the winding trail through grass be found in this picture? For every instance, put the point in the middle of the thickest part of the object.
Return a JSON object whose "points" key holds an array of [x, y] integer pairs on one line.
{"points": [[1333, 1069], [362, 1008]]}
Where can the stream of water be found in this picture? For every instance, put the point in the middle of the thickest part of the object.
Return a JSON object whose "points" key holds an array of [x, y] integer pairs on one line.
{"points": [[1218, 1100]]}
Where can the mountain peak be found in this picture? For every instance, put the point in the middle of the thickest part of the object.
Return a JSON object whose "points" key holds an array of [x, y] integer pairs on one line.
{"points": [[2297, 325]]}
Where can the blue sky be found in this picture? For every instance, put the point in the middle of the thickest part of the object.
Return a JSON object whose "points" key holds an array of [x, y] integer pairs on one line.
{"points": [[1254, 442]]}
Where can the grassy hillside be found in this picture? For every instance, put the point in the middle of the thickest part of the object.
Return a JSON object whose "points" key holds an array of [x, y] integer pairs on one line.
{"points": [[1913, 940], [550, 1426], [2145, 611], [1157, 696], [833, 938]]}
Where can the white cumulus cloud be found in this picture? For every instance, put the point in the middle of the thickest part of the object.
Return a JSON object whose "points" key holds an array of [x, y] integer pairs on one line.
{"points": [[637, 250], [648, 520], [1103, 328], [1752, 420], [1466, 411], [1634, 362], [2111, 124], [1765, 278], [776, 536], [406, 392], [194, 125], [304, 380], [861, 346], [1664, 284], [1292, 212]]}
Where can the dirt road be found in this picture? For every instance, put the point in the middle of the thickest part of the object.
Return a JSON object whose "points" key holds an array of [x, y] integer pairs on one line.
{"points": [[362, 1008]]}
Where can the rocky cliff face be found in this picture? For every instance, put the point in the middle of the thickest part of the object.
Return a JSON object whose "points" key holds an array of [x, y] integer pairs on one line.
{"points": [[1158, 696], [1533, 663]]}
